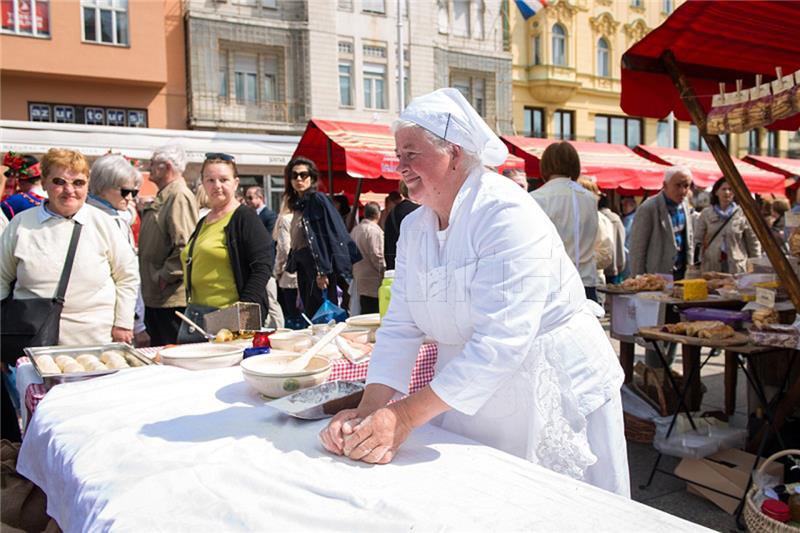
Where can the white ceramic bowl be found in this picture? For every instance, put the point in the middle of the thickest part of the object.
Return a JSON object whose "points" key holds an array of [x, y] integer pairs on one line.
{"points": [[293, 341], [265, 374], [202, 356]]}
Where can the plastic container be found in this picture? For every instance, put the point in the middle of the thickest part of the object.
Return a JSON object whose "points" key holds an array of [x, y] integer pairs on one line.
{"points": [[385, 292], [690, 445]]}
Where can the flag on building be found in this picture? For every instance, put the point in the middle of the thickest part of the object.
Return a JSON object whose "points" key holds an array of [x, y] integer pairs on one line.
{"points": [[528, 8]]}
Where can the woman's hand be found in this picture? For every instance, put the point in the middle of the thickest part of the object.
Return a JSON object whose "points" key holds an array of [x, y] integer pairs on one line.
{"points": [[332, 437], [377, 438], [121, 335], [322, 282]]}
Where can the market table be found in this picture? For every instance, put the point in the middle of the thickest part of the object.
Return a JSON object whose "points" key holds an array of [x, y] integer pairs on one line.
{"points": [[31, 390], [166, 449]]}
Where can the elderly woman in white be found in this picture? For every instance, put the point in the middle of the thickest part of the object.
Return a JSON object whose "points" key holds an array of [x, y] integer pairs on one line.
{"points": [[113, 186], [100, 296], [524, 365]]}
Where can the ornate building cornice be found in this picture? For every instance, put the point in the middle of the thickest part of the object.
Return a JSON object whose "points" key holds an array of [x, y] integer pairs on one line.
{"points": [[604, 24], [636, 30]]}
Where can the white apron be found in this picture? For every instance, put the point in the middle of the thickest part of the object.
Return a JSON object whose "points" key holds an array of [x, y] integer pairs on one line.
{"points": [[546, 382]]}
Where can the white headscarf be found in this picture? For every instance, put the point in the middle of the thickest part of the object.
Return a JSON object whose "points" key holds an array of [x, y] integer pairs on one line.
{"points": [[447, 114]]}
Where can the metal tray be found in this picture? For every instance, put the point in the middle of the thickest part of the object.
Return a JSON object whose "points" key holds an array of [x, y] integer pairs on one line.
{"points": [[321, 401], [50, 380]]}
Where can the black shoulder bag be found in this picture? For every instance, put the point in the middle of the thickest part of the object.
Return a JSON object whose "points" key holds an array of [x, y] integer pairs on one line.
{"points": [[35, 321]]}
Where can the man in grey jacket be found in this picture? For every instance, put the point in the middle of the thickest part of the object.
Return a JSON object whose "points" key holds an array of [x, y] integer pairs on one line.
{"points": [[662, 236]]}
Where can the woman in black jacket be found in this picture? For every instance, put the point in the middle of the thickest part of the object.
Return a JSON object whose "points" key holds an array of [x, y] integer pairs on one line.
{"points": [[321, 247], [228, 258]]}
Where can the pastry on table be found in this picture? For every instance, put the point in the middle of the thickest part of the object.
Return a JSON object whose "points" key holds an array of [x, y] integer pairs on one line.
{"points": [[679, 328], [763, 317], [717, 333], [693, 328]]}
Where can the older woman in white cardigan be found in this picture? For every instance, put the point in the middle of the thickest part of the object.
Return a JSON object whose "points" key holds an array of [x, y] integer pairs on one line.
{"points": [[100, 296]]}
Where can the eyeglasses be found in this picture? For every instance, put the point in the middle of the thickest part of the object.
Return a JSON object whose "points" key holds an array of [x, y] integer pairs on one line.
{"points": [[301, 175], [126, 192], [77, 184], [220, 155]]}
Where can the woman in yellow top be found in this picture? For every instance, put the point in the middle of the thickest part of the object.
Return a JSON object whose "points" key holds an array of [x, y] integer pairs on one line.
{"points": [[227, 258]]}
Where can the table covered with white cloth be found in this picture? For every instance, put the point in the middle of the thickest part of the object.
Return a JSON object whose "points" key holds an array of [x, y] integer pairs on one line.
{"points": [[167, 449]]}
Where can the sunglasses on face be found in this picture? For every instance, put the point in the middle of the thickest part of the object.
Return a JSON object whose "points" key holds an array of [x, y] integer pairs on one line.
{"points": [[77, 184], [301, 175], [126, 192], [220, 155]]}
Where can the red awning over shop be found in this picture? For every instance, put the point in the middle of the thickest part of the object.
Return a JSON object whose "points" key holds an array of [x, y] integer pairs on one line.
{"points": [[357, 150], [712, 42], [512, 161], [705, 170], [614, 166], [788, 167]]}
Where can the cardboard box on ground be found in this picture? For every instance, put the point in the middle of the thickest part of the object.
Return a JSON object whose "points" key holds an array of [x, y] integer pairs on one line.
{"points": [[727, 471]]}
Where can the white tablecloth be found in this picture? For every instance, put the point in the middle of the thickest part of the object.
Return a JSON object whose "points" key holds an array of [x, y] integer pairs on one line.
{"points": [[165, 449]]}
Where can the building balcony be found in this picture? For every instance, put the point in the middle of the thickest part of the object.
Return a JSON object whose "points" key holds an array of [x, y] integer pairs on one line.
{"points": [[220, 113], [552, 84]]}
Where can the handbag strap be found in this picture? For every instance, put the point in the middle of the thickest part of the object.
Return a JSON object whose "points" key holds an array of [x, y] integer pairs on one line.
{"points": [[719, 230], [67, 270], [193, 239]]}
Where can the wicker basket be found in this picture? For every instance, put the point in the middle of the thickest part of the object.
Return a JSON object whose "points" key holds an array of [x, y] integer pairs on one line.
{"points": [[638, 429], [758, 522]]}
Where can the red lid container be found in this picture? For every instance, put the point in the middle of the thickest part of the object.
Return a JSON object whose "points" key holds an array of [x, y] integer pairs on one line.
{"points": [[777, 510]]}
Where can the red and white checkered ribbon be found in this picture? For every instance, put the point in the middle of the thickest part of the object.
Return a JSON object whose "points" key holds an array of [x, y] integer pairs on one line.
{"points": [[342, 369]]}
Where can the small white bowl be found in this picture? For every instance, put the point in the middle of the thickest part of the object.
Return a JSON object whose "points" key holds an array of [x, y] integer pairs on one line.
{"points": [[202, 356], [265, 374], [293, 341]]}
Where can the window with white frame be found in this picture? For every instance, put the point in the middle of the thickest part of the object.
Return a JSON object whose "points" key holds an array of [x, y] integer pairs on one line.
{"points": [[442, 16], [245, 77], [461, 22], [666, 6], [536, 50], [269, 4], [345, 5], [374, 86], [26, 17], [559, 45], [224, 81], [480, 9], [270, 66], [373, 6], [373, 51], [473, 88], [346, 48], [603, 58], [636, 3], [345, 83], [105, 21]]}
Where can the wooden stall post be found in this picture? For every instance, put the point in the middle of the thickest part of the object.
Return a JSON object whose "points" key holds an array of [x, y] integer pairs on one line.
{"points": [[779, 261]]}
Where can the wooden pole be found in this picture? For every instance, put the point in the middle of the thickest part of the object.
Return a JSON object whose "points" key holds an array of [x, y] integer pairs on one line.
{"points": [[330, 168], [351, 217], [779, 261]]}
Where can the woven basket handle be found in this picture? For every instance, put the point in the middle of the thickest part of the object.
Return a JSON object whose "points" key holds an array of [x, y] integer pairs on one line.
{"points": [[776, 455], [648, 374]]}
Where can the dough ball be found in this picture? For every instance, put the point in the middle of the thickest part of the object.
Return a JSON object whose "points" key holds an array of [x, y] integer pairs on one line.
{"points": [[95, 365], [63, 360], [87, 359], [73, 367], [47, 365], [113, 357]]}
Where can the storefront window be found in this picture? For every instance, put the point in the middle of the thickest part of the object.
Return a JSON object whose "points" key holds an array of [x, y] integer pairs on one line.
{"points": [[26, 17]]}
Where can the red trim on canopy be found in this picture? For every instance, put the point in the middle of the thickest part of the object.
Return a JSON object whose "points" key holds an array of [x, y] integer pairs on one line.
{"points": [[614, 166], [712, 42], [705, 170], [788, 167], [512, 161]]}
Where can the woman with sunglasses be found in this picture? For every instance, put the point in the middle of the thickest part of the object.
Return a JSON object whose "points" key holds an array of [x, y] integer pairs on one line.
{"points": [[321, 247], [113, 186], [228, 258], [104, 280]]}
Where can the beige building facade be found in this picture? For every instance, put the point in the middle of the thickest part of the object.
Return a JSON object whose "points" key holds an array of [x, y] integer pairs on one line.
{"points": [[566, 77]]}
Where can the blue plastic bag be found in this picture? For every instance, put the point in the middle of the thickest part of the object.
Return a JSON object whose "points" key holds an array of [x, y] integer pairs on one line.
{"points": [[328, 311]]}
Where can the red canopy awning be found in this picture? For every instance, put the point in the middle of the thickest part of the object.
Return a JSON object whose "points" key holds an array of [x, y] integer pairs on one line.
{"points": [[705, 170], [712, 42], [788, 167], [357, 150], [614, 166]]}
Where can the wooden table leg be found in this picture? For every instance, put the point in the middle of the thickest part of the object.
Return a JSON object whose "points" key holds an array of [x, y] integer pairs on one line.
{"points": [[691, 362], [626, 351], [731, 372]]}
